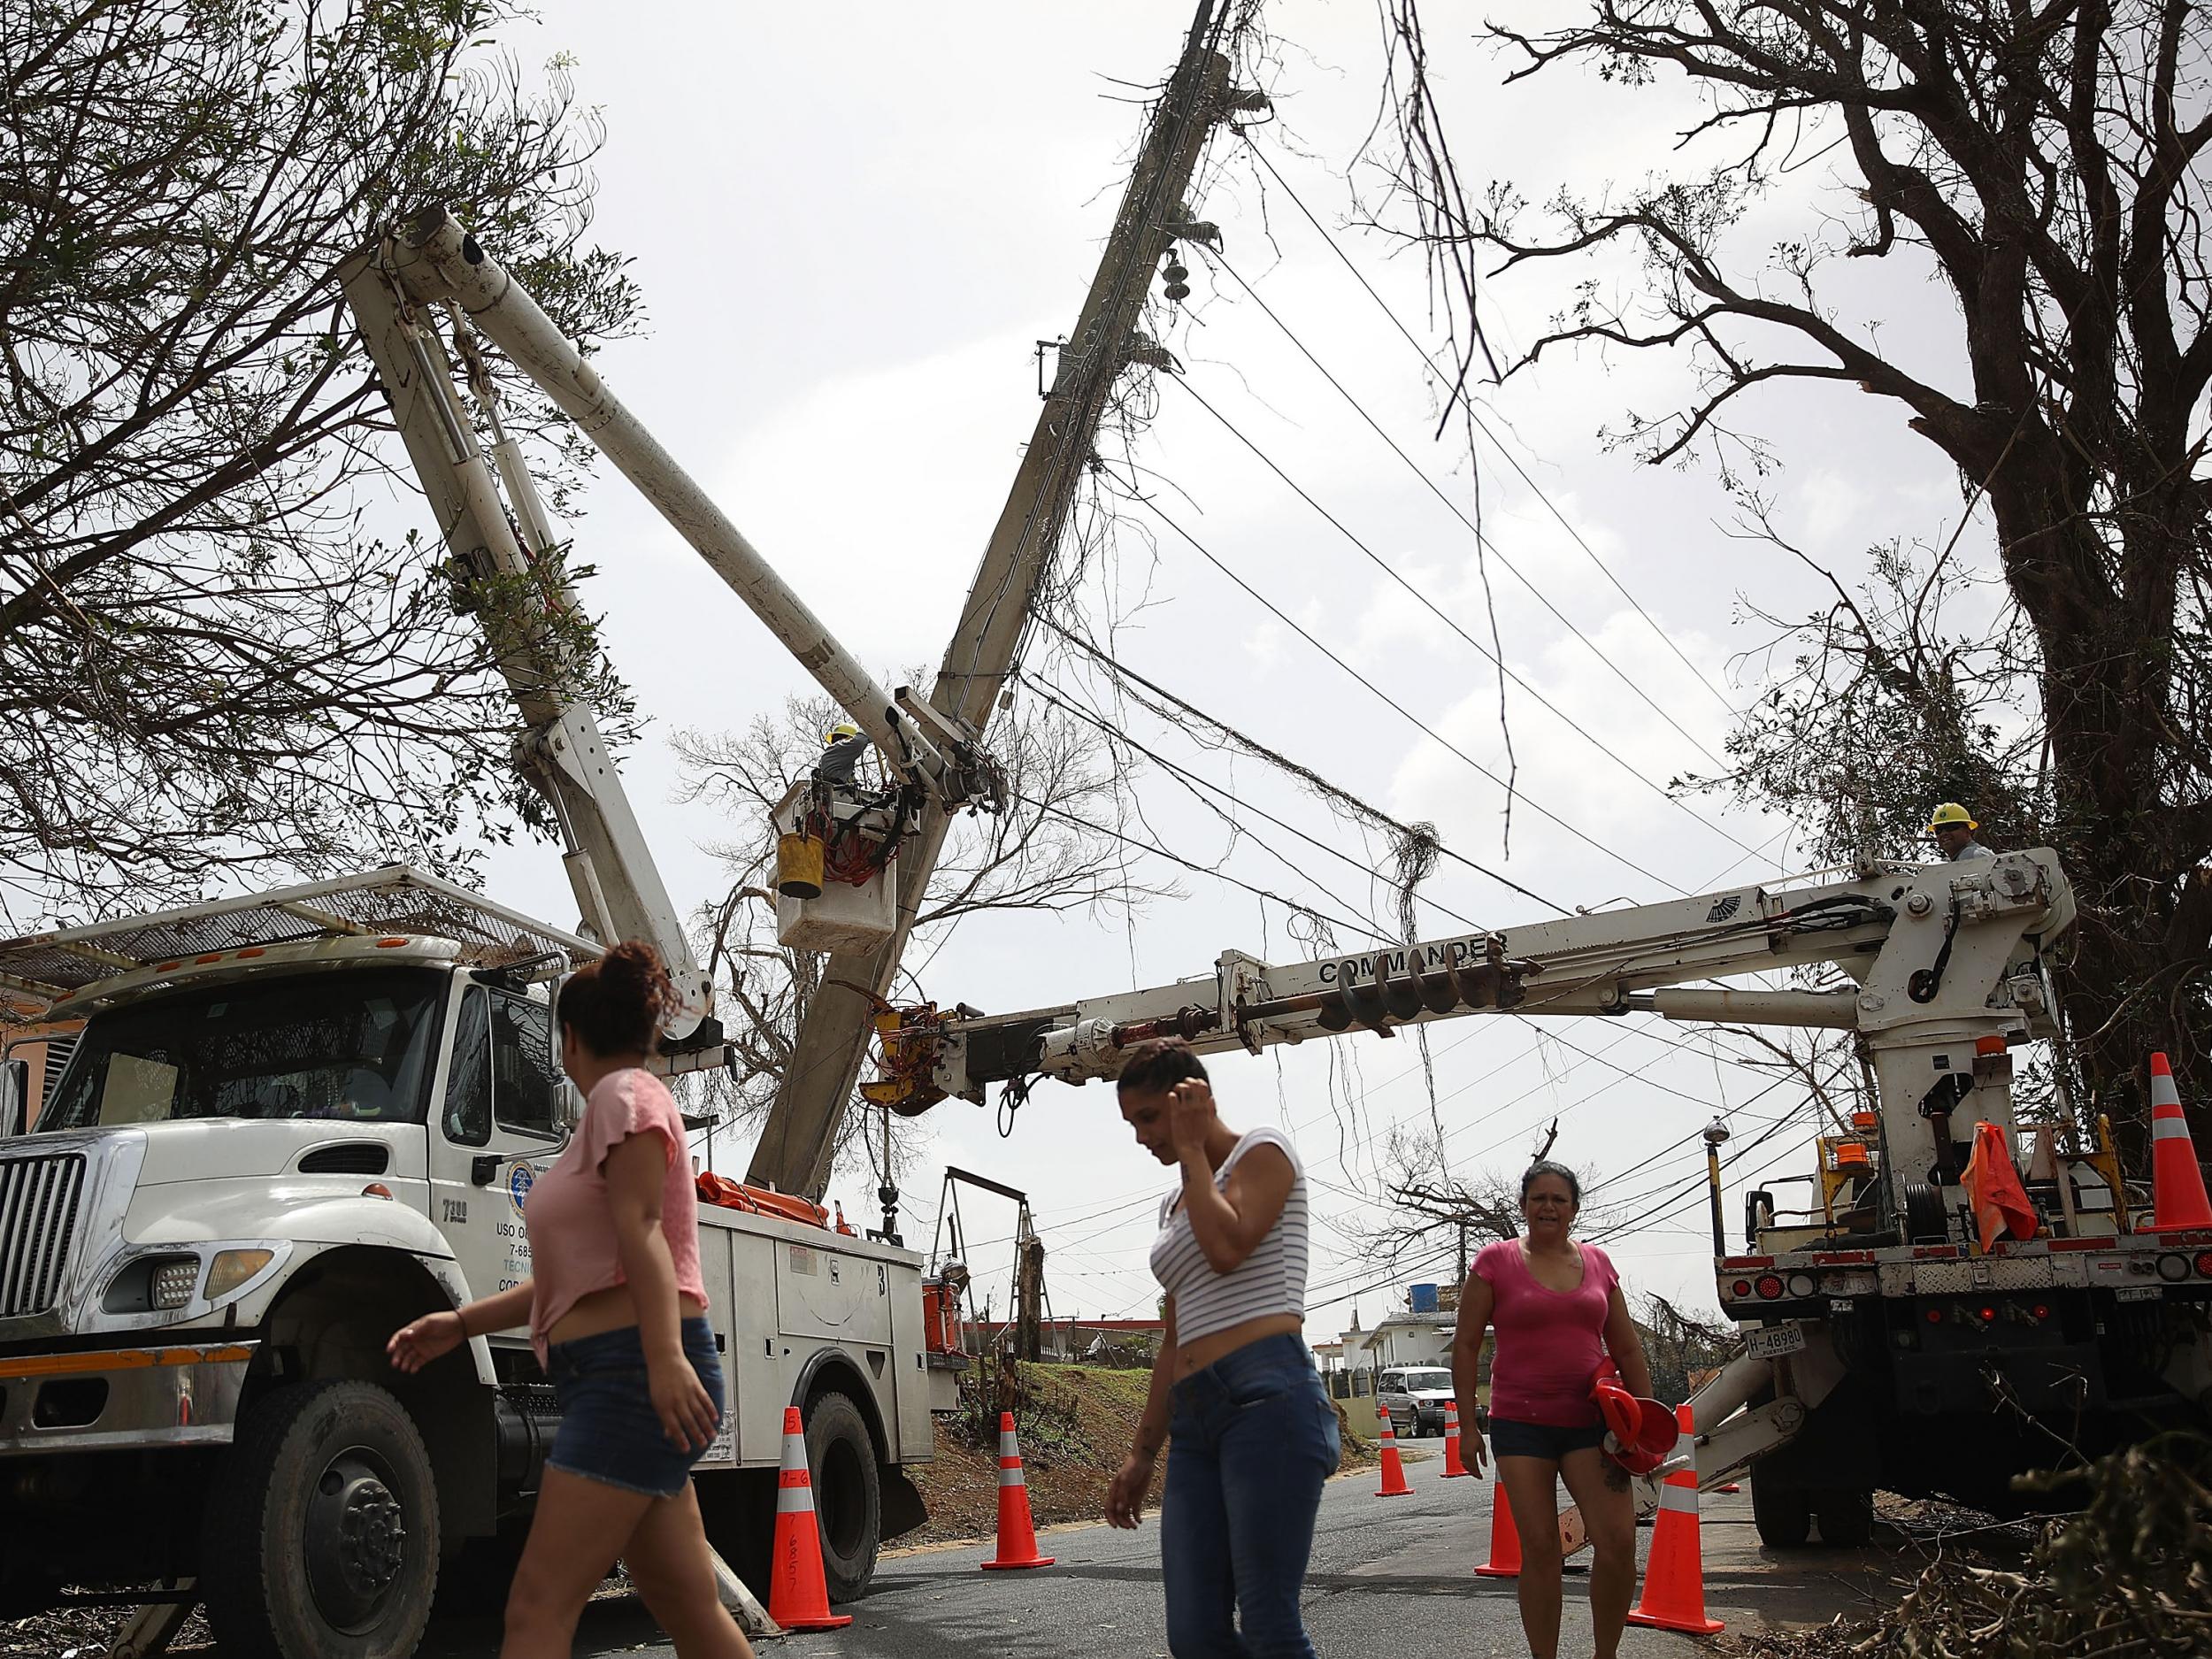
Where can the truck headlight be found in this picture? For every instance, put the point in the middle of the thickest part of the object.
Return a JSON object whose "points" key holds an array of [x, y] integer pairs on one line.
{"points": [[152, 1284], [173, 1282], [233, 1268]]}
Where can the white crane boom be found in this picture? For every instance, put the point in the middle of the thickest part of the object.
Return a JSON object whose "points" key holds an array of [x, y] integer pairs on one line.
{"points": [[437, 261], [506, 547], [1941, 956]]}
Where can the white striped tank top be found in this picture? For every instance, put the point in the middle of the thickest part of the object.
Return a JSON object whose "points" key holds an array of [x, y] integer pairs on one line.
{"points": [[1272, 1279]]}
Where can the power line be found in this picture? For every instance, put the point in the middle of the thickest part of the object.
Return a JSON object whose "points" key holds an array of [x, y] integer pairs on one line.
{"points": [[1123, 673], [1675, 1200], [1159, 851], [1475, 418], [1214, 256], [1489, 655], [1414, 720], [1117, 734]]}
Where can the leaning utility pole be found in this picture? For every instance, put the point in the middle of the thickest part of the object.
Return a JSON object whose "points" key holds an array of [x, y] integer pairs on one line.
{"points": [[800, 1136]]}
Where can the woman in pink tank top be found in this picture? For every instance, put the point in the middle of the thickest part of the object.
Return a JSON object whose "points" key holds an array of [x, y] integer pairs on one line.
{"points": [[1557, 1309], [616, 1311]]}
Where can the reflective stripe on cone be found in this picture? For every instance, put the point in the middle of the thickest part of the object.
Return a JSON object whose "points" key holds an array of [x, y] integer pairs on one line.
{"points": [[1674, 1576], [798, 1597], [2179, 1203], [1017, 1533], [1394, 1476], [1453, 1466]]}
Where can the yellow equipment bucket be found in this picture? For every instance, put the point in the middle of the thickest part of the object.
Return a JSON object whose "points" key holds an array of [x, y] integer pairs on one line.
{"points": [[799, 865]]}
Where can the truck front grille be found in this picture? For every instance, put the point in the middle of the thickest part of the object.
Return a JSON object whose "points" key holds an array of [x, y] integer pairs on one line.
{"points": [[38, 1212]]}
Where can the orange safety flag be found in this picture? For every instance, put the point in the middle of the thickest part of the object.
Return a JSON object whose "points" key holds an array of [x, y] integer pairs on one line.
{"points": [[2001, 1203]]}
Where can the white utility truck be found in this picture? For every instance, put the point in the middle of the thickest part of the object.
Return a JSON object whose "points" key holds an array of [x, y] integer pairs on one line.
{"points": [[1884, 1347], [294, 1121], [291, 1124]]}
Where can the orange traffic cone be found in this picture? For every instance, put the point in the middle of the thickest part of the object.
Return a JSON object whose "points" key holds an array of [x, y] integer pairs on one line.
{"points": [[1393, 1484], [1674, 1577], [2178, 1199], [1505, 1540], [1016, 1533], [797, 1598], [1452, 1466]]}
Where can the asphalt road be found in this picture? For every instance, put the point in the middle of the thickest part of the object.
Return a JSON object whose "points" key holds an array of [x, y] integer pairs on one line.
{"points": [[1389, 1575]]}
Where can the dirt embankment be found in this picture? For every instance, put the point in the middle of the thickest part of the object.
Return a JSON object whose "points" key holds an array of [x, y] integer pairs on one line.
{"points": [[1076, 1423]]}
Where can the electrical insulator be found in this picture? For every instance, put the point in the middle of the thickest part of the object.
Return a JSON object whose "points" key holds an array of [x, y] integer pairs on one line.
{"points": [[1176, 274]]}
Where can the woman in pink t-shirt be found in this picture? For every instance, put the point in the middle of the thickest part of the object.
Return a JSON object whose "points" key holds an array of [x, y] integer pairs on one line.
{"points": [[1556, 1307], [616, 1311]]}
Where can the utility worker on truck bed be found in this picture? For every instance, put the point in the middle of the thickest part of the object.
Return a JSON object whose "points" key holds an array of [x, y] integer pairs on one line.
{"points": [[1953, 834]]}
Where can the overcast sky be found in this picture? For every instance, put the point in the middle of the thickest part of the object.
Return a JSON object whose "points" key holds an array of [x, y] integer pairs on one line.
{"points": [[851, 225]]}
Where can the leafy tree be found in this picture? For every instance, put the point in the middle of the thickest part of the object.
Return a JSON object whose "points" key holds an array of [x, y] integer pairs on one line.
{"points": [[210, 666], [2041, 164]]}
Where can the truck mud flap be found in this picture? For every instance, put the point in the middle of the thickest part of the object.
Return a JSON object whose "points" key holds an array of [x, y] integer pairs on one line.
{"points": [[903, 1509]]}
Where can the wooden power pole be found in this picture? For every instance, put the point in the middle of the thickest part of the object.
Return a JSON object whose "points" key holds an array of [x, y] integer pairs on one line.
{"points": [[801, 1135]]}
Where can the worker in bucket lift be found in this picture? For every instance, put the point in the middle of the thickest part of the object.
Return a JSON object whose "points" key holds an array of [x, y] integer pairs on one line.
{"points": [[1953, 833], [843, 746]]}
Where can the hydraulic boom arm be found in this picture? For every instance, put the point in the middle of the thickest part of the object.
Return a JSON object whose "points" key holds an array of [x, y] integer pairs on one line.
{"points": [[427, 270], [506, 546], [1942, 957]]}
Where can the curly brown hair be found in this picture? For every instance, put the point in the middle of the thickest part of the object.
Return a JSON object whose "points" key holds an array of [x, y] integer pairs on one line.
{"points": [[616, 1005]]}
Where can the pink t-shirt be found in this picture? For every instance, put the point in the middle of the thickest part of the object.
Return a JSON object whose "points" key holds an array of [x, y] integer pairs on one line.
{"points": [[1550, 1342], [573, 1251]]}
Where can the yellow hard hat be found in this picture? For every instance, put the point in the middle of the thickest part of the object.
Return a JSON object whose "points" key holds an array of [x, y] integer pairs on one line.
{"points": [[1950, 812], [838, 733]]}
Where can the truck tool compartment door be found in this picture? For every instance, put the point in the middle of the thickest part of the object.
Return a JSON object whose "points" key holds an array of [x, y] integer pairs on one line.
{"points": [[499, 1121]]}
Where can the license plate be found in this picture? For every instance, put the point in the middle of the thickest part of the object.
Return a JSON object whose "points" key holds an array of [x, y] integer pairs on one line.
{"points": [[2135, 1293], [1774, 1341]]}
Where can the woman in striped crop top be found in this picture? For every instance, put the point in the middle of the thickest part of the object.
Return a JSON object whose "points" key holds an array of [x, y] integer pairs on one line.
{"points": [[1253, 1436]]}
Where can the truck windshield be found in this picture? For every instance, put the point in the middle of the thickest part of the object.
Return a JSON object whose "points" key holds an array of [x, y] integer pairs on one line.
{"points": [[1417, 1380], [352, 1046]]}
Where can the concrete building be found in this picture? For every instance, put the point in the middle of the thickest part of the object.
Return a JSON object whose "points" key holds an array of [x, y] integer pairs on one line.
{"points": [[1405, 1338]]}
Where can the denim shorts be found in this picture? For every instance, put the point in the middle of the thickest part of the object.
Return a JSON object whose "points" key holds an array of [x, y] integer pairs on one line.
{"points": [[1549, 1441], [609, 1432]]}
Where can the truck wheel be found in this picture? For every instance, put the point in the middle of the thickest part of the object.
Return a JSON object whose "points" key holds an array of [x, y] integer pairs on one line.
{"points": [[321, 1538], [1846, 1516], [737, 1509], [1784, 1515], [847, 1493]]}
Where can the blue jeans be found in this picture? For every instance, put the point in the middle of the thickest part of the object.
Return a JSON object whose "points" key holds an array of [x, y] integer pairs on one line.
{"points": [[1252, 1438]]}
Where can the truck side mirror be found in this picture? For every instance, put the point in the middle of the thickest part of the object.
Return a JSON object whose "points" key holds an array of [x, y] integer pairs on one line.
{"points": [[15, 1097]]}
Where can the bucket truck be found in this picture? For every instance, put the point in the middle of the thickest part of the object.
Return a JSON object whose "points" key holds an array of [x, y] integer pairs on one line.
{"points": [[296, 1120], [1885, 1344]]}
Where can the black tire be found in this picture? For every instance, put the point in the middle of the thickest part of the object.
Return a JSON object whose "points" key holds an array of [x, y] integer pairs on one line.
{"points": [[847, 1493], [474, 1583], [321, 1532], [737, 1507], [1784, 1515], [1845, 1517]]}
